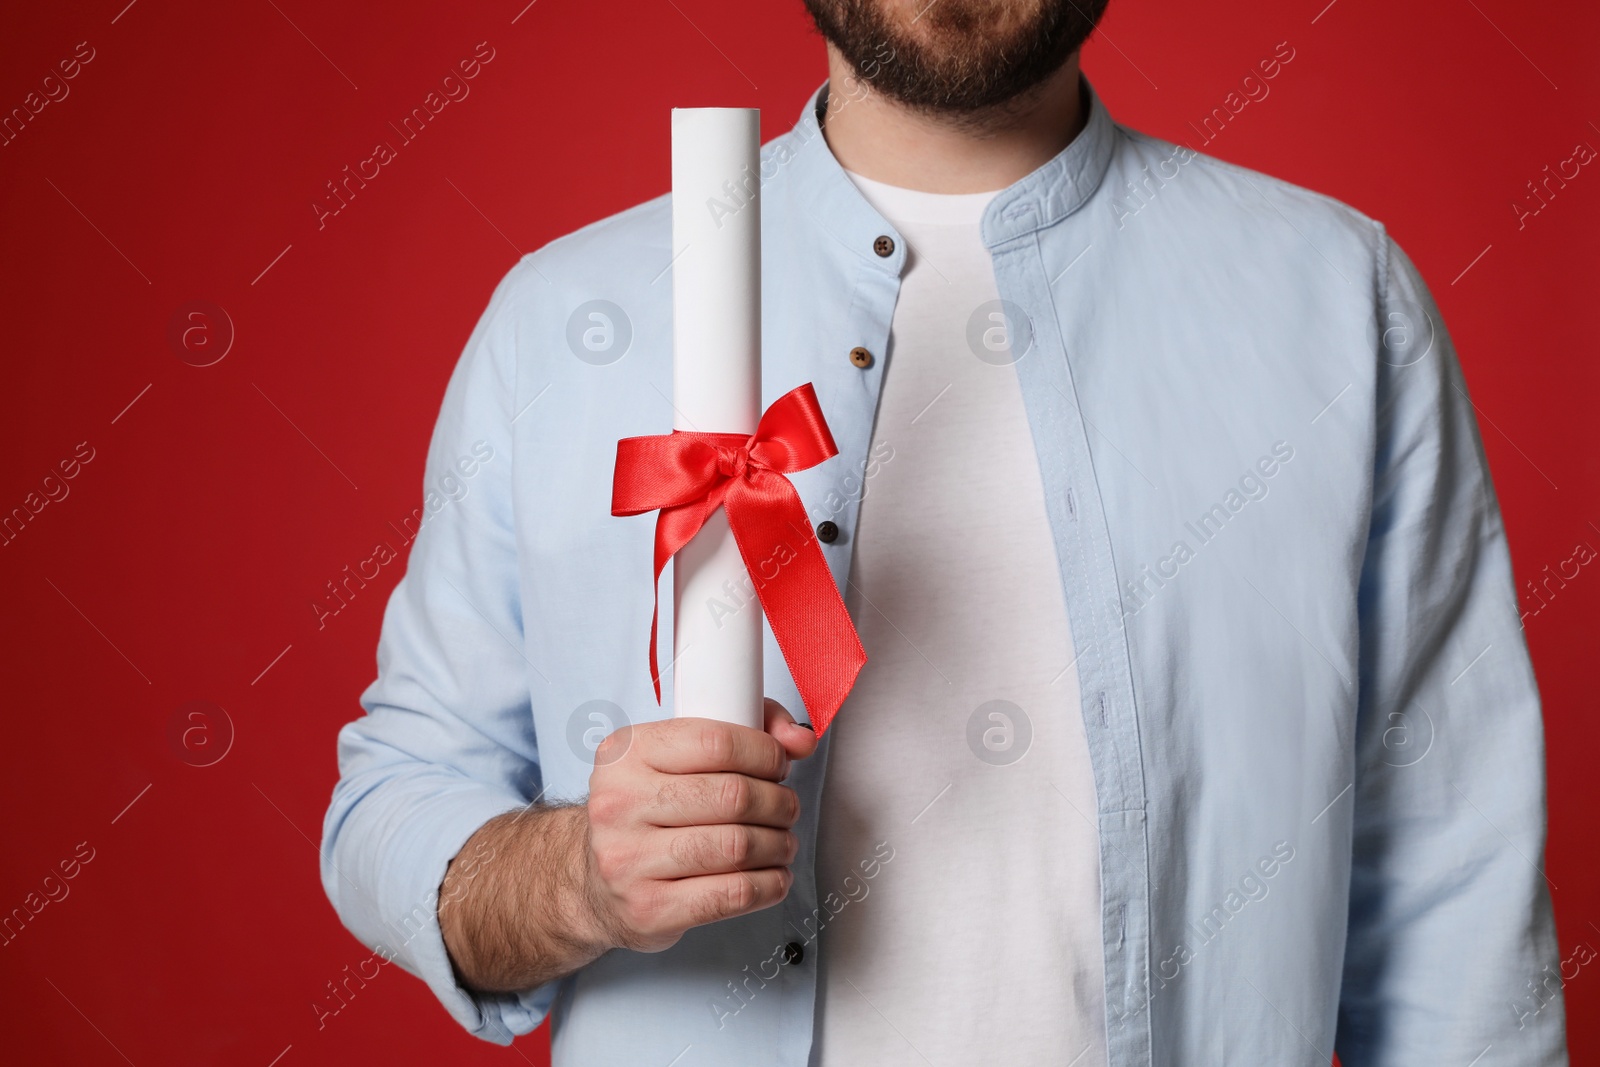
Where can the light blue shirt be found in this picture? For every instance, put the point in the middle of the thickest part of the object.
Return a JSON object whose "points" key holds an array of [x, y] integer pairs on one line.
{"points": [[1313, 723]]}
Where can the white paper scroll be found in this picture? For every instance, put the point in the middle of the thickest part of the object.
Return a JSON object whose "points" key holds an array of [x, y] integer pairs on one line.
{"points": [[716, 388]]}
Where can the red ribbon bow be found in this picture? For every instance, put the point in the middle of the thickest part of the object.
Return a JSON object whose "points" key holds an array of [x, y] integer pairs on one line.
{"points": [[688, 475]]}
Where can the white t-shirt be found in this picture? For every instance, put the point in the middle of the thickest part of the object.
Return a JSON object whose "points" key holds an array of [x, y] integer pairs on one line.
{"points": [[961, 753]]}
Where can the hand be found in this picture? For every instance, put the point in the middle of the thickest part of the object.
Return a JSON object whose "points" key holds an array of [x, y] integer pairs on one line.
{"points": [[690, 824]]}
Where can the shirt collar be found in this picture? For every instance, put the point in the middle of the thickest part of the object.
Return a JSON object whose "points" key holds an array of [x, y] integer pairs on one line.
{"points": [[1040, 199]]}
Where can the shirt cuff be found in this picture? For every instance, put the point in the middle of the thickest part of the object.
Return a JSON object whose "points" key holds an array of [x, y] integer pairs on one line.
{"points": [[418, 846]]}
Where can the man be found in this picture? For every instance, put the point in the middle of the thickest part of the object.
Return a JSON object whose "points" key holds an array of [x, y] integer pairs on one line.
{"points": [[1197, 726]]}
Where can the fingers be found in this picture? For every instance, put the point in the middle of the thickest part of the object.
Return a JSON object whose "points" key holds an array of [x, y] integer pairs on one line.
{"points": [[798, 741], [672, 907], [700, 746], [711, 799], [687, 852], [689, 823]]}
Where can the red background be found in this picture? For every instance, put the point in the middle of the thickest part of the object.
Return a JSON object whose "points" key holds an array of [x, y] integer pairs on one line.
{"points": [[182, 167]]}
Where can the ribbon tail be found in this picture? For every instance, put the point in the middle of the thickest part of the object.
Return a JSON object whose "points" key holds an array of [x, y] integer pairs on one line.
{"points": [[797, 591], [655, 615]]}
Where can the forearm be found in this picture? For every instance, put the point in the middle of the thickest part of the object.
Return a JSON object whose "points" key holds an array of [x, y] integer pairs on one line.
{"points": [[516, 908]]}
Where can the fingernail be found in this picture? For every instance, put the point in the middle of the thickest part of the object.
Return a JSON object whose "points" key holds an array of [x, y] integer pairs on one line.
{"points": [[806, 726]]}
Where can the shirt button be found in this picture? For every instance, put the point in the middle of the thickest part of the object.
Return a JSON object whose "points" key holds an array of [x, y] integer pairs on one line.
{"points": [[861, 357], [827, 532], [884, 246], [793, 952]]}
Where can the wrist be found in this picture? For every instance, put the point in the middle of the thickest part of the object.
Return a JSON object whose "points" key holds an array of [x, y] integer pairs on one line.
{"points": [[593, 927]]}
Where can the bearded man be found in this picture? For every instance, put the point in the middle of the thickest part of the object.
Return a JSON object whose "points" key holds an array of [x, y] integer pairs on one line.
{"points": [[1197, 725]]}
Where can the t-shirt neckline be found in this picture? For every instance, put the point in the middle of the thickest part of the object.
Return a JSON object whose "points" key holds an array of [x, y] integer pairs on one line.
{"points": [[899, 204]]}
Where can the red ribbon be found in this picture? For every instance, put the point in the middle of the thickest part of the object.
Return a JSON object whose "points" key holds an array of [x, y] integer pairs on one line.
{"points": [[687, 475]]}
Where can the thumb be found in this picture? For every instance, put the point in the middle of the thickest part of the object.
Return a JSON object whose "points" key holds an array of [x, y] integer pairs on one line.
{"points": [[798, 741]]}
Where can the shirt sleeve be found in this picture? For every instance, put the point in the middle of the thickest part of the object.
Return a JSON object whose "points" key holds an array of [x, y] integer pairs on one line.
{"points": [[447, 741], [1451, 950]]}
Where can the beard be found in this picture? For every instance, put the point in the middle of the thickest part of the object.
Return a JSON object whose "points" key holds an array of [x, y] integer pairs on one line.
{"points": [[955, 57]]}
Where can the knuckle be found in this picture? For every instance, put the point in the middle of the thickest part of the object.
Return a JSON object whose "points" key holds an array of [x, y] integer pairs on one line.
{"points": [[740, 894], [602, 806], [733, 796], [717, 743], [737, 844], [777, 759], [607, 807], [613, 746], [609, 864]]}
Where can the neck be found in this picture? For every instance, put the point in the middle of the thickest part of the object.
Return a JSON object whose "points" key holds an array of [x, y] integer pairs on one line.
{"points": [[882, 139]]}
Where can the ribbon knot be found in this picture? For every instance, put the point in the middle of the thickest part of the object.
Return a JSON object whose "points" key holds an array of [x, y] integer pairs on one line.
{"points": [[685, 476], [731, 462]]}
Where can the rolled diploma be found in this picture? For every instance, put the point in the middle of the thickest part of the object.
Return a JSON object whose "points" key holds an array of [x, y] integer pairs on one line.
{"points": [[716, 388]]}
